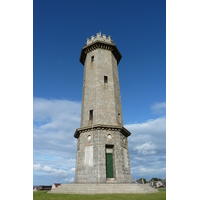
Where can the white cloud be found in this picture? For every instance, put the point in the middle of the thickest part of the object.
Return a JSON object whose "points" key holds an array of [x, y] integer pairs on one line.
{"points": [[71, 180], [37, 167], [55, 122], [146, 170], [45, 109], [146, 148], [152, 130], [54, 146], [152, 170], [72, 169], [159, 107], [149, 135], [72, 160], [48, 169]]}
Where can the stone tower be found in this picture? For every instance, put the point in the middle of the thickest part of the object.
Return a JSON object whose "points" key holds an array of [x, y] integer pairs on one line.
{"points": [[102, 147]]}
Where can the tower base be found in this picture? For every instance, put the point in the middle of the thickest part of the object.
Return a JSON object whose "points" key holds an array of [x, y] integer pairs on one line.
{"points": [[102, 155]]}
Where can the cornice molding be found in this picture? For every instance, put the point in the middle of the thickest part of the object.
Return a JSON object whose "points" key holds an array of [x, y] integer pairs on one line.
{"points": [[121, 129], [100, 45]]}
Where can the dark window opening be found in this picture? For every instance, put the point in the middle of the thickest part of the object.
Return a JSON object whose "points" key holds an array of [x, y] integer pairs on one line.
{"points": [[105, 79], [91, 115], [119, 118], [92, 58]]}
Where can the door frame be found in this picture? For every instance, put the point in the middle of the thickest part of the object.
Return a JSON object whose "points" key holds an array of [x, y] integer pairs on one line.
{"points": [[110, 149]]}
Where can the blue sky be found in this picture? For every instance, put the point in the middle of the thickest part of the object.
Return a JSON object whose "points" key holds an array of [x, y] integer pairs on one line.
{"points": [[60, 30]]}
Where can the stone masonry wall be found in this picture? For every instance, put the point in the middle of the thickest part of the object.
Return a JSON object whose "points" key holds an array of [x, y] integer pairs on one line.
{"points": [[103, 98], [96, 171]]}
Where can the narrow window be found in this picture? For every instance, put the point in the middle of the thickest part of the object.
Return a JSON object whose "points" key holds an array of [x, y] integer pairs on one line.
{"points": [[91, 115], [105, 79], [119, 118], [92, 58]]}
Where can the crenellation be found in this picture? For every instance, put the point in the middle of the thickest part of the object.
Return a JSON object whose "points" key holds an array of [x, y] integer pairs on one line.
{"points": [[99, 37], [92, 37]]}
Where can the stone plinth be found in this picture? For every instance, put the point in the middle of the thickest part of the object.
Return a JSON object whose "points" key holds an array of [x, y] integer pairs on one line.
{"points": [[103, 189]]}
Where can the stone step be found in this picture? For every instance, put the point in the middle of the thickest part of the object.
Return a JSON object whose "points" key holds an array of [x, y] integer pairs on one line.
{"points": [[102, 188], [101, 185]]}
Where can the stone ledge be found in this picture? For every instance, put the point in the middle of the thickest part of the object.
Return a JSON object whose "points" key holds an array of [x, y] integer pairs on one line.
{"points": [[121, 129]]}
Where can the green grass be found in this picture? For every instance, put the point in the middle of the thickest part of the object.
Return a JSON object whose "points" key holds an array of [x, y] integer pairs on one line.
{"points": [[162, 189], [43, 195]]}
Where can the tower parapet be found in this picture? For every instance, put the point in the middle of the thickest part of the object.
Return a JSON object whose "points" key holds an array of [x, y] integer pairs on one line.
{"points": [[100, 42], [99, 37]]}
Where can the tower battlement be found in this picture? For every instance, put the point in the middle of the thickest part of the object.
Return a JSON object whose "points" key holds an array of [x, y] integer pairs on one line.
{"points": [[99, 37], [101, 42]]}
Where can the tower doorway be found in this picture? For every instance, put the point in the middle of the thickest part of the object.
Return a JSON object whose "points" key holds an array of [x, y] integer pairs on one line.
{"points": [[109, 163]]}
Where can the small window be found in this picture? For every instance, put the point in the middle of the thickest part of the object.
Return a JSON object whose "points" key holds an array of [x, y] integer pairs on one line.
{"points": [[92, 58], [119, 118], [91, 115], [105, 79]]}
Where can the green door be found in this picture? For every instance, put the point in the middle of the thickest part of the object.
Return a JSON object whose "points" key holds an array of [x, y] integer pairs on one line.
{"points": [[109, 165]]}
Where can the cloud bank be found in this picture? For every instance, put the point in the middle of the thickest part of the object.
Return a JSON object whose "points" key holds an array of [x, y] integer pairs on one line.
{"points": [[54, 147], [147, 148]]}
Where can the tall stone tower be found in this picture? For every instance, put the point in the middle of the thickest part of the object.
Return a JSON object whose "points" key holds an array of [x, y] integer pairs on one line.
{"points": [[102, 147]]}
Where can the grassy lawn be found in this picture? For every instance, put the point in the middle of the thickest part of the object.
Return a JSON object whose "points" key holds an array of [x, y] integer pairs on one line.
{"points": [[43, 195]]}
